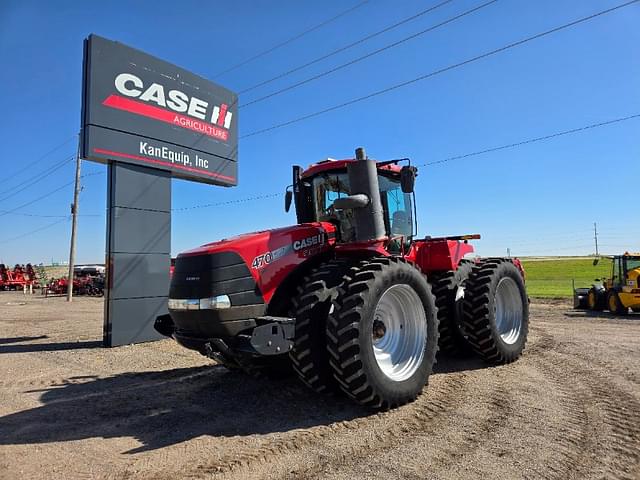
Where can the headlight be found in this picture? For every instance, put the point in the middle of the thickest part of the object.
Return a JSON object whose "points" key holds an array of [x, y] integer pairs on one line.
{"points": [[211, 303], [215, 303]]}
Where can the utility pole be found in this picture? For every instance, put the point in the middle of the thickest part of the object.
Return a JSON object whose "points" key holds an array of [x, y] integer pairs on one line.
{"points": [[595, 236], [74, 222]]}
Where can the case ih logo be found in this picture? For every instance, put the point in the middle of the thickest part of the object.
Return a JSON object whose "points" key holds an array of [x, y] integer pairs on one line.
{"points": [[211, 120]]}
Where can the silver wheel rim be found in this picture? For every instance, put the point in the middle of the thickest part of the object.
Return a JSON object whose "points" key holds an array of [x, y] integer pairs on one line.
{"points": [[399, 332], [508, 310]]}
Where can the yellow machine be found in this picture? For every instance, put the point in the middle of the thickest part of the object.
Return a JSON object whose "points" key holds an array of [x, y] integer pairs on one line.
{"points": [[621, 292]]}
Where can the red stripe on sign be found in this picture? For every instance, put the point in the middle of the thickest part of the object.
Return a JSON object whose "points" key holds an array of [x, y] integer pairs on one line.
{"points": [[145, 110], [222, 114], [160, 162]]}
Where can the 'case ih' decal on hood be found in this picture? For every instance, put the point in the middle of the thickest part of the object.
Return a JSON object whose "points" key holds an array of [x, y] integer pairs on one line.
{"points": [[309, 242], [211, 120], [305, 246]]}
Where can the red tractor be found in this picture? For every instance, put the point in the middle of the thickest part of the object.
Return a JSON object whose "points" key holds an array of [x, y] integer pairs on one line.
{"points": [[347, 297]]}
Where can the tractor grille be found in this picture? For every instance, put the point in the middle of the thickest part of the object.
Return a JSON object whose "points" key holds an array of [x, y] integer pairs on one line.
{"points": [[208, 275]]}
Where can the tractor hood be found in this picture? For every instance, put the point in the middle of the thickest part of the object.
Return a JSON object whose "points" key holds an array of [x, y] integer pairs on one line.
{"points": [[269, 255]]}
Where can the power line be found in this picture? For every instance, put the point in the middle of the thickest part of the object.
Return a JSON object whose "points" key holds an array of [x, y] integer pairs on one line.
{"points": [[48, 194], [34, 231], [292, 39], [37, 215], [531, 140], [33, 214], [35, 179], [370, 54], [442, 70], [345, 47], [31, 202], [273, 195], [457, 157], [38, 160], [229, 202]]}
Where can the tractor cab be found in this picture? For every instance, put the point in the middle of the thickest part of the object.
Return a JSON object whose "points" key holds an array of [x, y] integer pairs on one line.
{"points": [[337, 191], [625, 276], [625, 272]]}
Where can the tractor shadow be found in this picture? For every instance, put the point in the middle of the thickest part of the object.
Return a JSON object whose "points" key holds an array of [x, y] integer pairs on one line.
{"points": [[163, 408], [4, 341], [43, 347]]}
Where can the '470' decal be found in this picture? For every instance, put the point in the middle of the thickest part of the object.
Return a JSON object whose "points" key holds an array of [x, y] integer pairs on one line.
{"points": [[266, 258]]}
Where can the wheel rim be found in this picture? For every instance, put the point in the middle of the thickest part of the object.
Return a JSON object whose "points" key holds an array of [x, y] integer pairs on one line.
{"points": [[508, 310], [399, 332]]}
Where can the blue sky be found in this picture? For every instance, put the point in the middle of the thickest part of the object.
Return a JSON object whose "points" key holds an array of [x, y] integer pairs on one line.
{"points": [[540, 198]]}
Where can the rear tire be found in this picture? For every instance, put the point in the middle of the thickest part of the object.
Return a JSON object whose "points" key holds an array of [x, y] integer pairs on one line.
{"points": [[383, 334], [496, 311], [615, 305], [446, 287], [311, 306]]}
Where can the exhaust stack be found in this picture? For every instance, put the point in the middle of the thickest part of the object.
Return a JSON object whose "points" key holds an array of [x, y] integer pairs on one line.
{"points": [[367, 212]]}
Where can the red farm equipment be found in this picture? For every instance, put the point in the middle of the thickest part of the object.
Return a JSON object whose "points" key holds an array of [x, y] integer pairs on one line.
{"points": [[17, 279], [347, 297], [86, 281]]}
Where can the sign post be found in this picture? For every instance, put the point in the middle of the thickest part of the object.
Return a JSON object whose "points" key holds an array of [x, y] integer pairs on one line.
{"points": [[150, 121]]}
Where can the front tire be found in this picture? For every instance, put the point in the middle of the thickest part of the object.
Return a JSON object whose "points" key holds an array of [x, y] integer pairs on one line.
{"points": [[311, 306], [594, 300], [383, 334], [496, 311]]}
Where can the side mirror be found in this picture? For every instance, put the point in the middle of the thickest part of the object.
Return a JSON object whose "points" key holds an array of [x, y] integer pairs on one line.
{"points": [[288, 197], [595, 261], [408, 178]]}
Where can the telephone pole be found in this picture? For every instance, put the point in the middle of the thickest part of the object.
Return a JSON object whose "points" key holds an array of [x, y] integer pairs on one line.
{"points": [[74, 222], [595, 236]]}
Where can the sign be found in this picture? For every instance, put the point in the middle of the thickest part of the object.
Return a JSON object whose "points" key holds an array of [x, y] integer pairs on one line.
{"points": [[141, 110]]}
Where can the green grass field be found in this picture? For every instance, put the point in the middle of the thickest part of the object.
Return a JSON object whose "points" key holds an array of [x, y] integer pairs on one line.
{"points": [[551, 278]]}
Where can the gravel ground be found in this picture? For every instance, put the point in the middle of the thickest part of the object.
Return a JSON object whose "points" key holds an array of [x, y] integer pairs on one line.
{"points": [[569, 408]]}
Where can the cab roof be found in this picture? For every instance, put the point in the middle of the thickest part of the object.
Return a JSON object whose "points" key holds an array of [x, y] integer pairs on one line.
{"points": [[331, 164]]}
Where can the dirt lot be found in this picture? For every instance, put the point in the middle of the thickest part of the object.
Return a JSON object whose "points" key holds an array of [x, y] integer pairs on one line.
{"points": [[570, 408]]}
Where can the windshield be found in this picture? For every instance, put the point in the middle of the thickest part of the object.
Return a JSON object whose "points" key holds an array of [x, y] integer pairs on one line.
{"points": [[397, 206], [633, 263], [326, 189]]}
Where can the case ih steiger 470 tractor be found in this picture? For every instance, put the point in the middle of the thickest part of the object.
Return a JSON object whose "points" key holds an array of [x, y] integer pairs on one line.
{"points": [[347, 297]]}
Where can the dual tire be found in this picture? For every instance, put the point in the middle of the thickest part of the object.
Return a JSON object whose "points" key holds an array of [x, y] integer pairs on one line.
{"points": [[496, 311], [449, 289], [383, 334], [371, 329]]}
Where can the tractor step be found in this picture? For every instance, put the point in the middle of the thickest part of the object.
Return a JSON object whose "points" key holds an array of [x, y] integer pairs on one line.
{"points": [[275, 337]]}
